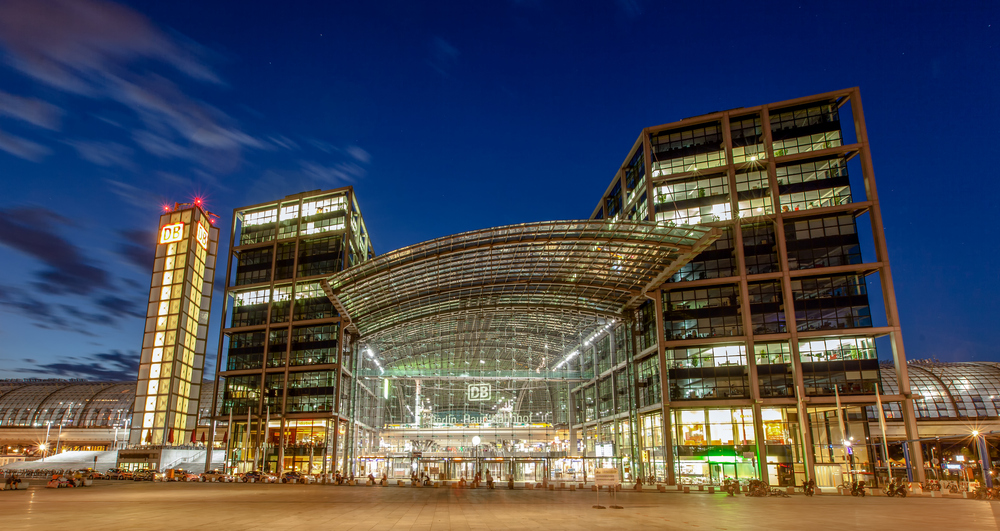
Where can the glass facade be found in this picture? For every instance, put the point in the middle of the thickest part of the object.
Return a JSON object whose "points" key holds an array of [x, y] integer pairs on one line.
{"points": [[697, 374], [777, 309], [284, 359]]}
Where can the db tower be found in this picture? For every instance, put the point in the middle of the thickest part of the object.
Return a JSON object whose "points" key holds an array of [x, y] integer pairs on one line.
{"points": [[176, 328]]}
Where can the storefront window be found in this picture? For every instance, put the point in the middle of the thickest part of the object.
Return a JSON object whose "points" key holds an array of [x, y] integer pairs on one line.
{"points": [[715, 444]]}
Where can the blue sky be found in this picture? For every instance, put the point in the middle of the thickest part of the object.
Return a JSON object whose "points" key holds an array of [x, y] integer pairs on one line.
{"points": [[452, 116]]}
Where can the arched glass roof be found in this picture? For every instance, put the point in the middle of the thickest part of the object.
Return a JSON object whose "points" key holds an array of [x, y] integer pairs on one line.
{"points": [[948, 390], [71, 403], [506, 294]]}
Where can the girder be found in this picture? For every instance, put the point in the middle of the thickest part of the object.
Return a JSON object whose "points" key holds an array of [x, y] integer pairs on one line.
{"points": [[513, 298]]}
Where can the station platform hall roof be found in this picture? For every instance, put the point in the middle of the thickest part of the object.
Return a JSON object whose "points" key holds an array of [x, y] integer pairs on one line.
{"points": [[511, 291]]}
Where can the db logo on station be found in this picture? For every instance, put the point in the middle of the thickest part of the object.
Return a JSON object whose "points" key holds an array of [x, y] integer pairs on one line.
{"points": [[479, 391], [172, 233]]}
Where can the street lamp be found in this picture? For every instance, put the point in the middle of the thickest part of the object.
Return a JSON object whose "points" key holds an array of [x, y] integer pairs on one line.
{"points": [[475, 451], [987, 481]]}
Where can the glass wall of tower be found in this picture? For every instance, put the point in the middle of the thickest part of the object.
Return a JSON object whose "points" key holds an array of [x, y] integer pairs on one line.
{"points": [[774, 311], [284, 355]]}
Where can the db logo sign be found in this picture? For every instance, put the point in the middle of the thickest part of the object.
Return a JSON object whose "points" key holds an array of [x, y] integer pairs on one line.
{"points": [[479, 391], [172, 233]]}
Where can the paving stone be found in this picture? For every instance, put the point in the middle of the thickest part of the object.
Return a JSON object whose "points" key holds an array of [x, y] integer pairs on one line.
{"points": [[154, 506]]}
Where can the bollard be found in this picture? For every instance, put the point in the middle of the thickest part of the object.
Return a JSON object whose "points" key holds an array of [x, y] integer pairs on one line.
{"points": [[711, 489], [572, 487], [661, 488], [687, 490]]}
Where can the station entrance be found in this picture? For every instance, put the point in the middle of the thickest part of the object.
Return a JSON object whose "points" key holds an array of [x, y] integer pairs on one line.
{"points": [[466, 352]]}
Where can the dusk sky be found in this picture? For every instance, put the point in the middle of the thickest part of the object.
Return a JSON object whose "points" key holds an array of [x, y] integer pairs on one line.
{"points": [[453, 116]]}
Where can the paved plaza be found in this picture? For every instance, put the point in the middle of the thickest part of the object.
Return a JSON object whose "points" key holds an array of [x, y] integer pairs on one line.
{"points": [[151, 506]]}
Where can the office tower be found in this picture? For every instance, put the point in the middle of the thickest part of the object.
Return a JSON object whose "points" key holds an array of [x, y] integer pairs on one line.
{"points": [[282, 351], [756, 344]]}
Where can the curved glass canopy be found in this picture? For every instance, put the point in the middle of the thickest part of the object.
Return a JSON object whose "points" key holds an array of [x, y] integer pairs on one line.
{"points": [[506, 302]]}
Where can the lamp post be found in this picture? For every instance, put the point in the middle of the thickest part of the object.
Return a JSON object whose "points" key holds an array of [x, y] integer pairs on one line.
{"points": [[45, 446], [980, 450], [475, 452]]}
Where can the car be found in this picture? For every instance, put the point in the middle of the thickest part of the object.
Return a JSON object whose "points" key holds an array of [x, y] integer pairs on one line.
{"points": [[179, 474], [296, 477], [258, 477], [144, 475], [114, 473], [90, 473], [217, 475]]}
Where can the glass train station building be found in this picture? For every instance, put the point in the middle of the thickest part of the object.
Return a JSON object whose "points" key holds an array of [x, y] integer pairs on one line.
{"points": [[721, 313], [714, 316]]}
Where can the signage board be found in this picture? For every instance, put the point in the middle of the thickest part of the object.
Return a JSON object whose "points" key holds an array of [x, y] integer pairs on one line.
{"points": [[606, 477], [173, 232], [478, 392], [202, 237], [604, 449]]}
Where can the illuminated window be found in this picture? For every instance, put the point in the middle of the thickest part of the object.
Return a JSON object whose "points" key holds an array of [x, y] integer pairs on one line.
{"points": [[260, 217]]}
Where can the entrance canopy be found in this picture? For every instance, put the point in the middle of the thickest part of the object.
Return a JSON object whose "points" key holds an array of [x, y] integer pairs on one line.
{"points": [[506, 302]]}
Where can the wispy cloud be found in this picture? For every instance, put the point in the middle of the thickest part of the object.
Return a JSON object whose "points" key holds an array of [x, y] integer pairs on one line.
{"points": [[108, 52], [133, 195], [338, 174], [138, 248], [108, 366], [33, 111], [103, 153], [33, 232], [359, 154], [75, 45], [283, 142], [160, 146], [22, 147]]}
